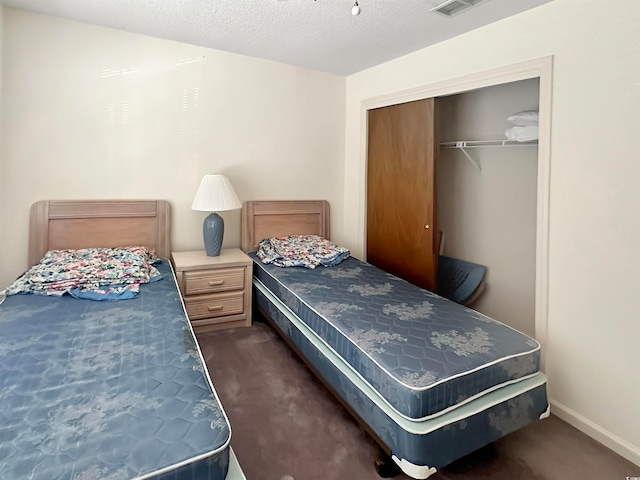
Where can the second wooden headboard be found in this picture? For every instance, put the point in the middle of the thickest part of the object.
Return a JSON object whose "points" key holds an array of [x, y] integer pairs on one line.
{"points": [[276, 218]]}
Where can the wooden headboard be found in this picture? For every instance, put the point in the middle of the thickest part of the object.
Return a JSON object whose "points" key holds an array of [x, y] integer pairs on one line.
{"points": [[60, 224], [277, 218]]}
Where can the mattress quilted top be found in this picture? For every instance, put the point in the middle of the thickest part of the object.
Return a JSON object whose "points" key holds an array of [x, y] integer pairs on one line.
{"points": [[106, 389], [423, 353]]}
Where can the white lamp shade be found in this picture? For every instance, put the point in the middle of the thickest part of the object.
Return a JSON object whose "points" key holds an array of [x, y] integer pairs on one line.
{"points": [[215, 194]]}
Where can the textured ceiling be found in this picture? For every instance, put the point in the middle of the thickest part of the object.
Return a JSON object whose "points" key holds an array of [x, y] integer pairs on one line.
{"points": [[316, 34]]}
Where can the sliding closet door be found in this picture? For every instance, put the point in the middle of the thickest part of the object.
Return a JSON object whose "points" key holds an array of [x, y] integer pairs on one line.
{"points": [[401, 164]]}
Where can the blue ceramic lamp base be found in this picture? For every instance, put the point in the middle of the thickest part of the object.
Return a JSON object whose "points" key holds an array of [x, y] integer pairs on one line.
{"points": [[213, 231]]}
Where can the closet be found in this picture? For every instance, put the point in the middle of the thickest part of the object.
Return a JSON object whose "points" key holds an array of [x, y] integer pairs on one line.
{"points": [[482, 196]]}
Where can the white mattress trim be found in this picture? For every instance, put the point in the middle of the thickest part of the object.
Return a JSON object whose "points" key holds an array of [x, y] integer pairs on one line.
{"points": [[420, 426], [427, 387], [215, 394]]}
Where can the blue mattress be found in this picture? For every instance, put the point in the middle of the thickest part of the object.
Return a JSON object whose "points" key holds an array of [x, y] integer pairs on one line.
{"points": [[419, 447], [109, 390], [425, 355]]}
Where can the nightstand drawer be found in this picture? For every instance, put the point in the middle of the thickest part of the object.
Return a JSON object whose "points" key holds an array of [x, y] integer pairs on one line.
{"points": [[215, 305], [209, 281]]}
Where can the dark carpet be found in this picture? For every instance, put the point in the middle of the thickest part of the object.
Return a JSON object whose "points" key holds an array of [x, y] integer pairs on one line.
{"points": [[287, 426]]}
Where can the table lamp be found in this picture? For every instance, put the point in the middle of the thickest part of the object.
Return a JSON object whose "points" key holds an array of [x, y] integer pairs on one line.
{"points": [[215, 194]]}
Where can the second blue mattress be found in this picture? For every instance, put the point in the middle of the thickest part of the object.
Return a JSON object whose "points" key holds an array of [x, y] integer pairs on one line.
{"points": [[424, 354]]}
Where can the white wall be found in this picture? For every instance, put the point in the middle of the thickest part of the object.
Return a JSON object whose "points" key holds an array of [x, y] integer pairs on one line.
{"points": [[91, 112], [594, 259], [489, 217]]}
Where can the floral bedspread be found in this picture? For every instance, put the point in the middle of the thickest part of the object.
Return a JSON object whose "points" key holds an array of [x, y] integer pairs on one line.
{"points": [[307, 251], [93, 273]]}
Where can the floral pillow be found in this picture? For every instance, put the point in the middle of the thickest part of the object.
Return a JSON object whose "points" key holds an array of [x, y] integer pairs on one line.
{"points": [[93, 273], [307, 251]]}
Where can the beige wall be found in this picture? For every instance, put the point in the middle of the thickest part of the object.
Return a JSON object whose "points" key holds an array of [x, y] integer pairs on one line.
{"points": [[92, 112], [594, 259], [489, 216]]}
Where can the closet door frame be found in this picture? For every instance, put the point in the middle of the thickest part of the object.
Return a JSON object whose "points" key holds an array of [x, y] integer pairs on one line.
{"points": [[541, 68]]}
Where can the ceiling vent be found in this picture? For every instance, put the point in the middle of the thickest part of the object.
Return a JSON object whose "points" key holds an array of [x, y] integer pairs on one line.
{"points": [[449, 8]]}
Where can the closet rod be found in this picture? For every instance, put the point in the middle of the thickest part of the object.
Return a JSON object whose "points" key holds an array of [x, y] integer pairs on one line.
{"points": [[462, 145], [487, 143]]}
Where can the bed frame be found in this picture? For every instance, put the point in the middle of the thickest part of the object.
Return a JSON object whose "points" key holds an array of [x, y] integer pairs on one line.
{"points": [[279, 218], [74, 224]]}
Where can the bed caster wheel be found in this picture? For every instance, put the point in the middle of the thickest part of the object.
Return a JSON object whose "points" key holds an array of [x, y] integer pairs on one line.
{"points": [[387, 468]]}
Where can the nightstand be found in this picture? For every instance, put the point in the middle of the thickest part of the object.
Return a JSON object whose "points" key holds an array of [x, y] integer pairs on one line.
{"points": [[216, 290]]}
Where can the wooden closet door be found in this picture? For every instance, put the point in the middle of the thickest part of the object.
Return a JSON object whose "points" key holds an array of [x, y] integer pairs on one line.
{"points": [[401, 168]]}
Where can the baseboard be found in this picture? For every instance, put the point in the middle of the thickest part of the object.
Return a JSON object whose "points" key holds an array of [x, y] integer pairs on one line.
{"points": [[605, 437]]}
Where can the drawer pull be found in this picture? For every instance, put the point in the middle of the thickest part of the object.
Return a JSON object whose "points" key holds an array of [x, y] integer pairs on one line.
{"points": [[215, 308], [213, 283]]}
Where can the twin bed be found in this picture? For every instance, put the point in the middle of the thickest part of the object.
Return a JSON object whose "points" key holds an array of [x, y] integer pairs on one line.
{"points": [[429, 379], [119, 390], [101, 389]]}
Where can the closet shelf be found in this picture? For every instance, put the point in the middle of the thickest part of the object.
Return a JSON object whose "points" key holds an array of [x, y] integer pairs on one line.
{"points": [[462, 145]]}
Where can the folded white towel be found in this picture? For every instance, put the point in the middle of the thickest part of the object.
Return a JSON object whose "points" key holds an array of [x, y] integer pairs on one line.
{"points": [[521, 133], [525, 118]]}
